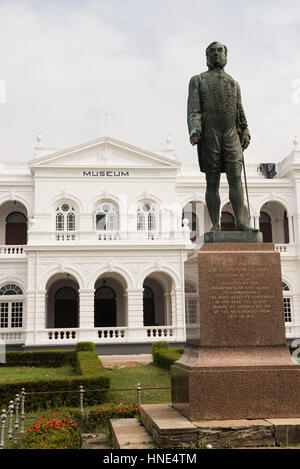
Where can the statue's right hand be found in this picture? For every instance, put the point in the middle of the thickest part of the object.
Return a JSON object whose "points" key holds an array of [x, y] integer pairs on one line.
{"points": [[195, 138]]}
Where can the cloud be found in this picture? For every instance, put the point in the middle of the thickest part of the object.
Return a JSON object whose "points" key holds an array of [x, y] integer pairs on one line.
{"points": [[66, 64]]}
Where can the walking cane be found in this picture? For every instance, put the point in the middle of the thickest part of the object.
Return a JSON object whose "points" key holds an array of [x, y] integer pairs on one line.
{"points": [[246, 187]]}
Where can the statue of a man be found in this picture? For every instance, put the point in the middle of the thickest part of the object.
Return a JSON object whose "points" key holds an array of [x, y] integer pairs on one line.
{"points": [[217, 124]]}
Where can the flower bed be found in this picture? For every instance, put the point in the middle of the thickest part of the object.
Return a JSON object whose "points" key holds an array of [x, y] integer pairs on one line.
{"points": [[52, 432], [102, 415], [62, 429]]}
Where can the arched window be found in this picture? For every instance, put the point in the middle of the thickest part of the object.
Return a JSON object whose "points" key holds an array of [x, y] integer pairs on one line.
{"points": [[287, 303], [65, 217], [146, 219], [149, 306], [106, 217], [16, 229], [11, 289], [265, 226], [66, 308], [227, 221], [11, 311], [105, 307]]}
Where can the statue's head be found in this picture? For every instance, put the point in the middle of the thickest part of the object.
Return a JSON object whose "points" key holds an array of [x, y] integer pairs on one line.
{"points": [[216, 55]]}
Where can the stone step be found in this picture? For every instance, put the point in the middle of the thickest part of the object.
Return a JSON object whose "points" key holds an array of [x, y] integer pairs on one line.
{"points": [[167, 427], [129, 434], [170, 429]]}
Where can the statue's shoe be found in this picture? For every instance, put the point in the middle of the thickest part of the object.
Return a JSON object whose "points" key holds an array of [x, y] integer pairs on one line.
{"points": [[245, 227], [215, 228]]}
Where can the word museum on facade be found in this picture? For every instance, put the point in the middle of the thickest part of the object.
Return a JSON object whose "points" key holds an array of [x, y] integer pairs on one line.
{"points": [[94, 239]]}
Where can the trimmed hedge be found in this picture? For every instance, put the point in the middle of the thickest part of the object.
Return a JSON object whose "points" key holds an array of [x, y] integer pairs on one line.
{"points": [[163, 356], [44, 359], [85, 347], [90, 374]]}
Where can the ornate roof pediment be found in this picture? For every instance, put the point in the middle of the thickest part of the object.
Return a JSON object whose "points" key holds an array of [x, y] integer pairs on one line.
{"points": [[103, 152]]}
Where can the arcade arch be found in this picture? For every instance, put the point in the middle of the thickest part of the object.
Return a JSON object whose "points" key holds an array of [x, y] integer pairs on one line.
{"points": [[110, 301], [62, 301], [157, 299], [273, 223], [13, 229]]}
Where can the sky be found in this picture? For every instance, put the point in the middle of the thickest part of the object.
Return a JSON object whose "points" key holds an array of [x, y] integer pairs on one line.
{"points": [[65, 64]]}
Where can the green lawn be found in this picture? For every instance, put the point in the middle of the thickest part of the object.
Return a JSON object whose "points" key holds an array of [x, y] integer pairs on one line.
{"points": [[147, 376], [23, 373]]}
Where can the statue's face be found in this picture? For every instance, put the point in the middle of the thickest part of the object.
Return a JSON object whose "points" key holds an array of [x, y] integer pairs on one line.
{"points": [[216, 56]]}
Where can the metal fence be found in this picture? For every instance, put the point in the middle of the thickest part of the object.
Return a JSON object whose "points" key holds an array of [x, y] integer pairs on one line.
{"points": [[10, 428], [6, 419]]}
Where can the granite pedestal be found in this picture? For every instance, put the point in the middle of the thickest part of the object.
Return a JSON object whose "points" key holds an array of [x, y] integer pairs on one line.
{"points": [[238, 365]]}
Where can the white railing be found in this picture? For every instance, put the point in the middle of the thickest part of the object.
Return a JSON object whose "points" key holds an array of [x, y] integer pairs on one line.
{"points": [[66, 236], [292, 330], [193, 170], [103, 236], [121, 334], [112, 334], [286, 249], [106, 235], [10, 250], [143, 235], [62, 334], [12, 336], [160, 332]]}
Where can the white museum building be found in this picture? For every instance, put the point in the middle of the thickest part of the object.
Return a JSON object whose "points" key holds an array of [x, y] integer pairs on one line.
{"points": [[94, 239]]}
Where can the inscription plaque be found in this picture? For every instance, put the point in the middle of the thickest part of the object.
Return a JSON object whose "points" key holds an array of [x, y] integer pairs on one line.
{"points": [[239, 295]]}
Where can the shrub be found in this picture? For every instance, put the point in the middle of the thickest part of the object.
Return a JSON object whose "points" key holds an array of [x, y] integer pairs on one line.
{"points": [[52, 432], [61, 429], [85, 347], [41, 358], [102, 415], [156, 347], [163, 356]]}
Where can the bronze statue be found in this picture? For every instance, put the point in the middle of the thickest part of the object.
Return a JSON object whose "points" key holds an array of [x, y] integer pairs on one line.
{"points": [[217, 124]]}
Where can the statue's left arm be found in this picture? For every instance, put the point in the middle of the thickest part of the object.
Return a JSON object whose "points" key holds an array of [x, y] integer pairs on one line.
{"points": [[242, 121]]}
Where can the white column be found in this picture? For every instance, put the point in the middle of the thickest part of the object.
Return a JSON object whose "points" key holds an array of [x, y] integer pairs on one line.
{"points": [[254, 222], [200, 219], [131, 225], [41, 310], [30, 317], [291, 229], [168, 309], [135, 314], [36, 317], [86, 308], [178, 319], [166, 227]]}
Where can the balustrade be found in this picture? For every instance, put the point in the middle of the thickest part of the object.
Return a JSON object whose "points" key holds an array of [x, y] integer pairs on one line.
{"points": [[108, 235], [160, 332], [12, 250], [66, 236], [62, 335], [112, 333], [14, 337]]}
